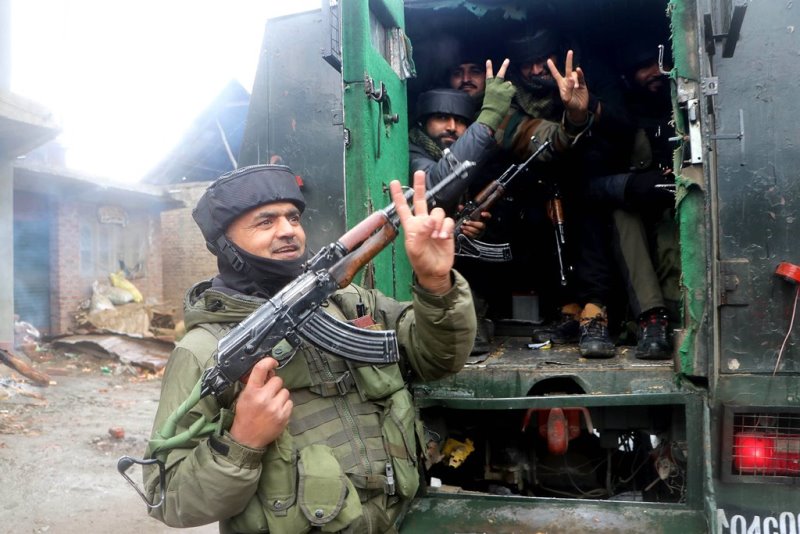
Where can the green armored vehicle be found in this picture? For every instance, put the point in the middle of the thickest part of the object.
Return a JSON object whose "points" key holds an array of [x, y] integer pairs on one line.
{"points": [[532, 437]]}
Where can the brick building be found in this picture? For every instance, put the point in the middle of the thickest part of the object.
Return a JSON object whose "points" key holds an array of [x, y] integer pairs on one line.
{"points": [[186, 259], [70, 230]]}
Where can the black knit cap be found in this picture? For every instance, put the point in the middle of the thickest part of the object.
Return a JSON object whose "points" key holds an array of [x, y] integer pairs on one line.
{"points": [[468, 52], [534, 46], [446, 102], [240, 190], [640, 51]]}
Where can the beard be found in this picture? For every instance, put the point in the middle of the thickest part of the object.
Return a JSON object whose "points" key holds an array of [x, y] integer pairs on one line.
{"points": [[540, 85], [445, 140]]}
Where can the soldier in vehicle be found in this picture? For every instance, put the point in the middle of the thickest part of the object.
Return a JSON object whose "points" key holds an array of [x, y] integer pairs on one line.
{"points": [[444, 120], [628, 197], [321, 443], [468, 77], [460, 66], [584, 316], [547, 105], [559, 108], [643, 204]]}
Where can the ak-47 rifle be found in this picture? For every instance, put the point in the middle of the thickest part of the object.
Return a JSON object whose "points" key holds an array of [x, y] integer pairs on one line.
{"points": [[494, 191], [290, 316], [555, 212], [293, 313]]}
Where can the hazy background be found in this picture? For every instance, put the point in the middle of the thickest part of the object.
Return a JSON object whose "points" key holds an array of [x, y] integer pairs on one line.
{"points": [[124, 78]]}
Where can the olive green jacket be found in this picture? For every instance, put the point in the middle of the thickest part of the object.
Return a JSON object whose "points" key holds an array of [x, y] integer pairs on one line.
{"points": [[216, 479]]}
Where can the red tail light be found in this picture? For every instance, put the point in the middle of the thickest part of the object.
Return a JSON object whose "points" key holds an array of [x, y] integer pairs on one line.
{"points": [[766, 454]]}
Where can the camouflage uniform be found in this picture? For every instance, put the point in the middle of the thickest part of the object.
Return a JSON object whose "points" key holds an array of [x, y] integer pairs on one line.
{"points": [[328, 469]]}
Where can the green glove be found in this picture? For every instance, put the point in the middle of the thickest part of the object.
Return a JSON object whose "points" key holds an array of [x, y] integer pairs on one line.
{"points": [[496, 101]]}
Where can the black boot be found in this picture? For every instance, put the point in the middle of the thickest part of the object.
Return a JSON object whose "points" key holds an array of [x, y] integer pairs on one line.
{"points": [[654, 342], [563, 332], [594, 340]]}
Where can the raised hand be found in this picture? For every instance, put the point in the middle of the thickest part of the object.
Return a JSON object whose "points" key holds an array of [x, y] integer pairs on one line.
{"points": [[497, 96], [501, 74], [428, 237], [572, 89]]}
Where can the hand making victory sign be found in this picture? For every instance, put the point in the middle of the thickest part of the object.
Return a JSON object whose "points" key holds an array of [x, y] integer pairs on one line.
{"points": [[428, 237], [501, 74], [572, 89]]}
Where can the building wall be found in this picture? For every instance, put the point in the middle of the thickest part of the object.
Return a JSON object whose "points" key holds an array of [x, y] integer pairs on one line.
{"points": [[186, 259], [87, 246], [32, 258], [66, 287]]}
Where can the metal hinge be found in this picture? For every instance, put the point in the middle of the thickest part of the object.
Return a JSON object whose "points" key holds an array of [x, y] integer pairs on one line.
{"points": [[731, 15], [735, 287], [695, 132]]}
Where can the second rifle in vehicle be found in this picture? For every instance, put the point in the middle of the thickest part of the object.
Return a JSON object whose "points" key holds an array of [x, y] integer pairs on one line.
{"points": [[483, 201]]}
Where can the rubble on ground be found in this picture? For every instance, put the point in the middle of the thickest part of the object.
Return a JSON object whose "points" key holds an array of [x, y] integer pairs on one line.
{"points": [[128, 337]]}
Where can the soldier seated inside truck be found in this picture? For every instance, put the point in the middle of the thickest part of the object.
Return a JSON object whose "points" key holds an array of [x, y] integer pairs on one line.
{"points": [[582, 229], [618, 276]]}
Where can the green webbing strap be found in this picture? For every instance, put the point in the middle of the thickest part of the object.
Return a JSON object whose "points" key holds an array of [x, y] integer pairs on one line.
{"points": [[168, 440]]}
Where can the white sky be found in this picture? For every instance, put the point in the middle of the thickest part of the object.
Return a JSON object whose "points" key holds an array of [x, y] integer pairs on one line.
{"points": [[126, 78]]}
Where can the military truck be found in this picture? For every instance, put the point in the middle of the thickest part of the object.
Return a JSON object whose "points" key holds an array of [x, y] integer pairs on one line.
{"points": [[708, 441]]}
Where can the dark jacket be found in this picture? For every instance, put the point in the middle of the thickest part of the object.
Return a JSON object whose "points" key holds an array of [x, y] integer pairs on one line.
{"points": [[476, 145]]}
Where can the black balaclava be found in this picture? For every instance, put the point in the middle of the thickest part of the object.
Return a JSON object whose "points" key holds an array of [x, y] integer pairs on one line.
{"points": [[228, 197]]}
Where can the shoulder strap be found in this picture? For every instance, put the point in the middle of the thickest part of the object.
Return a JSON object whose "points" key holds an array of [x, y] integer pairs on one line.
{"points": [[218, 330]]}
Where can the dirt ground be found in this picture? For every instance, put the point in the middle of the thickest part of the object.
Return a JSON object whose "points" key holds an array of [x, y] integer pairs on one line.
{"points": [[58, 457]]}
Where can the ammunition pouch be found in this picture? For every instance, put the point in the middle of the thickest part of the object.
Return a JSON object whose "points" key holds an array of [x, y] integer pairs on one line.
{"points": [[298, 491], [399, 426]]}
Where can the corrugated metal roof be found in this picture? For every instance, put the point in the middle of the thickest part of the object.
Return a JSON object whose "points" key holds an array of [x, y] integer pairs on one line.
{"points": [[66, 184]]}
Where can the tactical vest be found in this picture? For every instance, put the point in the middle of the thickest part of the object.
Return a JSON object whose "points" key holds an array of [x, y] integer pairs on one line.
{"points": [[348, 455]]}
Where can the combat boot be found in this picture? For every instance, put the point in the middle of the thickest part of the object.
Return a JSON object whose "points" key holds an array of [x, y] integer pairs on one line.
{"points": [[563, 332], [594, 341], [654, 342]]}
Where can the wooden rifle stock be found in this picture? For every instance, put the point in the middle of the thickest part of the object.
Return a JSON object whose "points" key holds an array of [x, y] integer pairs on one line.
{"points": [[361, 232], [345, 269], [495, 190], [484, 200], [555, 212], [366, 239]]}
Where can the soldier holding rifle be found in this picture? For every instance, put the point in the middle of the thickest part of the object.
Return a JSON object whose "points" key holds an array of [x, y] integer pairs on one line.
{"points": [[321, 442]]}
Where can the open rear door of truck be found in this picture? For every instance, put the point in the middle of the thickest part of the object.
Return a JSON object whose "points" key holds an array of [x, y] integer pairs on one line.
{"points": [[376, 62]]}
